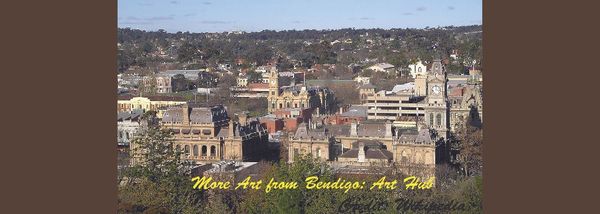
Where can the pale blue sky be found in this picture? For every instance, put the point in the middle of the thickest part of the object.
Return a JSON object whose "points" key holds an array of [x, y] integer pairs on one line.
{"points": [[257, 15]]}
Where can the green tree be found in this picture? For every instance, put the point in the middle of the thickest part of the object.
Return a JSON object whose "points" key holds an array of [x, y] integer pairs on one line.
{"points": [[159, 178]]}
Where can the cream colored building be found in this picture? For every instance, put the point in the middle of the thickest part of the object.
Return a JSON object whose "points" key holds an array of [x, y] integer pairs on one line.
{"points": [[297, 96], [152, 103], [207, 134], [366, 144], [417, 69]]}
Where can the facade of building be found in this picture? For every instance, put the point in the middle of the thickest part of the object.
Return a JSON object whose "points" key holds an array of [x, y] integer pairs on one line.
{"points": [[391, 106], [157, 83], [465, 103], [151, 103], [417, 69], [369, 143], [209, 135], [128, 125], [436, 109], [297, 96]]}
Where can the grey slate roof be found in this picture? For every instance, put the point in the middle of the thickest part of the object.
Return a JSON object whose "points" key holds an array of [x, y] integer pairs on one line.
{"points": [[421, 137], [196, 115], [369, 154], [304, 133], [131, 115]]}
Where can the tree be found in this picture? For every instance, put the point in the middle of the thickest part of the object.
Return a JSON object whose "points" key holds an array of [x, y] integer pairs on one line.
{"points": [[254, 77], [159, 178], [469, 144], [180, 83]]}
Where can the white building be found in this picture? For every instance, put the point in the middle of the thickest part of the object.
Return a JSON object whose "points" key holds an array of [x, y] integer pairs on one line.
{"points": [[417, 69], [382, 67], [362, 80]]}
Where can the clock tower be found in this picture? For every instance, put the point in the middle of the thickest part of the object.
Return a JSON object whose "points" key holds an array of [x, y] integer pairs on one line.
{"points": [[273, 89], [436, 107]]}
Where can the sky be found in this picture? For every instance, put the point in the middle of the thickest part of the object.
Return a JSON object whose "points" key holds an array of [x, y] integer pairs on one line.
{"points": [[256, 15]]}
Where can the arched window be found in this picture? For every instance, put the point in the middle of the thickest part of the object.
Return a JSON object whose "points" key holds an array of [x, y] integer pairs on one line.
{"points": [[213, 151], [439, 119], [203, 150], [287, 104], [186, 150], [195, 150], [431, 119], [280, 105], [419, 69]]}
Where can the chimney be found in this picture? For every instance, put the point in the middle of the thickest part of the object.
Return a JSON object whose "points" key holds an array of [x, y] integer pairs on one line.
{"points": [[354, 129], [186, 114], [361, 152], [231, 127], [388, 129]]}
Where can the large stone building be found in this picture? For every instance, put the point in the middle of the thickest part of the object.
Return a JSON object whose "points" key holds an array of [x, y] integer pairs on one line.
{"points": [[128, 125], [207, 134], [297, 96], [368, 143], [436, 110]]}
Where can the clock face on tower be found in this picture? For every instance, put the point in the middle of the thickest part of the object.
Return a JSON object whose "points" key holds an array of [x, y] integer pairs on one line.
{"points": [[436, 90]]}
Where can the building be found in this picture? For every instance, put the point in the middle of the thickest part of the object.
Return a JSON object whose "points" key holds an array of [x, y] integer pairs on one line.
{"points": [[382, 67], [188, 74], [128, 125], [207, 134], [315, 142], [299, 96], [425, 98], [436, 109], [466, 102], [151, 103], [362, 80], [365, 91], [365, 144], [417, 69], [157, 83], [392, 105]]}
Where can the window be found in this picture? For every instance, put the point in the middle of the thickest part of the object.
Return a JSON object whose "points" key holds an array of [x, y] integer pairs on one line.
{"points": [[296, 152], [318, 152], [431, 119], [127, 135], [213, 151], [439, 119], [186, 150], [195, 150], [203, 150], [121, 134]]}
